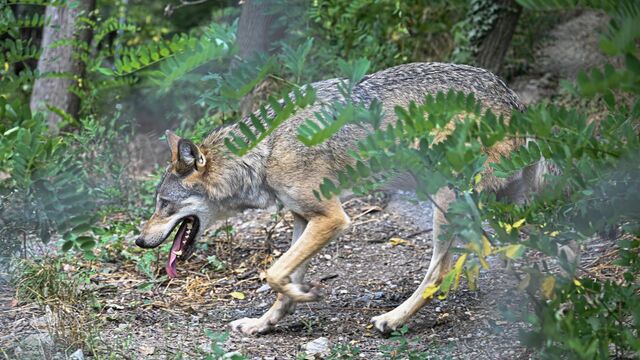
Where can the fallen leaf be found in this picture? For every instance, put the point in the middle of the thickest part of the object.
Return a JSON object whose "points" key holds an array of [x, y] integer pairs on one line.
{"points": [[398, 241], [547, 286], [518, 223], [430, 291], [238, 295]]}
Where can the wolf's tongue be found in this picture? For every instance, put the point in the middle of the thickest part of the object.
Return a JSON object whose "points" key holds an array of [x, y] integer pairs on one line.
{"points": [[177, 246]]}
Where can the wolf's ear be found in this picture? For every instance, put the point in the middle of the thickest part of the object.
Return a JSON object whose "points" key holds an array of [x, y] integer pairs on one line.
{"points": [[172, 140], [189, 157]]}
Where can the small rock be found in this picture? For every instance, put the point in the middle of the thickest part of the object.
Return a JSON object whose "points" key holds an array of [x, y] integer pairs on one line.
{"points": [[327, 256], [319, 346], [263, 288], [147, 350], [77, 355], [40, 322]]}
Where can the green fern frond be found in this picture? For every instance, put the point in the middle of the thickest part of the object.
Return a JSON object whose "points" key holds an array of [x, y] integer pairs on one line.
{"points": [[110, 25], [135, 59], [314, 132], [622, 34], [179, 64], [262, 123], [13, 51], [393, 149], [9, 24], [36, 2], [11, 81], [295, 59]]}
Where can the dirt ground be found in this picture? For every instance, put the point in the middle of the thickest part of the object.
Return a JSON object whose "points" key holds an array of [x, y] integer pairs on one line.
{"points": [[364, 275]]}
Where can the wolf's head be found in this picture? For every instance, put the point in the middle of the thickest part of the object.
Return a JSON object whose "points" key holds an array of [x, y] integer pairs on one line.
{"points": [[181, 201]]}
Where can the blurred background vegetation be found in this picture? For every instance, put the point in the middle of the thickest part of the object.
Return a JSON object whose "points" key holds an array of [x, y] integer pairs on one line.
{"points": [[87, 88]]}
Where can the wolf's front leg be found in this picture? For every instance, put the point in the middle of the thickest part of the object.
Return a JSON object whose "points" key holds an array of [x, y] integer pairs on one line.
{"points": [[326, 223], [284, 305]]}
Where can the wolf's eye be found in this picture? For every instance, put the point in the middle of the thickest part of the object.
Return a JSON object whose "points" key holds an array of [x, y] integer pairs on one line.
{"points": [[163, 203]]}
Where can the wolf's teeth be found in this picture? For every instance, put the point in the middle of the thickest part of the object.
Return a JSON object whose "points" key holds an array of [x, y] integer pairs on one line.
{"points": [[189, 225], [177, 253]]}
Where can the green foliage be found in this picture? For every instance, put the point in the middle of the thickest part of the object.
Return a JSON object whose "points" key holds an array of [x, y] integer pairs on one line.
{"points": [[44, 281], [344, 351], [182, 55], [268, 119], [55, 183], [333, 117], [470, 31], [217, 350], [385, 32], [226, 90], [17, 52], [403, 349], [586, 317], [595, 190], [44, 191]]}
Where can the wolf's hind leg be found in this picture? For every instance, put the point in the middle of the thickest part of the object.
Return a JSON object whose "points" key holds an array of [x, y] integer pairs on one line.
{"points": [[283, 305], [438, 267]]}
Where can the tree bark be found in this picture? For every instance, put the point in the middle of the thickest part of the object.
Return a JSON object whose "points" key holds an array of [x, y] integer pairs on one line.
{"points": [[256, 34], [55, 91], [256, 29], [492, 48]]}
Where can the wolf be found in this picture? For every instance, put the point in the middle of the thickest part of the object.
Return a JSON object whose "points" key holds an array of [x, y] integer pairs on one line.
{"points": [[204, 183]]}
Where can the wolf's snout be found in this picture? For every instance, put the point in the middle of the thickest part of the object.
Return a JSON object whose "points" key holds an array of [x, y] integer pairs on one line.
{"points": [[143, 244]]}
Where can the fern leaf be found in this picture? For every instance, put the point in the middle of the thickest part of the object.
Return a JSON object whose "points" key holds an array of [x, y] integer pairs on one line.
{"points": [[269, 118]]}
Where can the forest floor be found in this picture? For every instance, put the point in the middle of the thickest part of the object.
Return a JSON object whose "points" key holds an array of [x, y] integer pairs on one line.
{"points": [[369, 270]]}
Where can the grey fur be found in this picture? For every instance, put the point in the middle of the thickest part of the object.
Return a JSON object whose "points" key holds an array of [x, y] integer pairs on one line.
{"points": [[396, 86]]}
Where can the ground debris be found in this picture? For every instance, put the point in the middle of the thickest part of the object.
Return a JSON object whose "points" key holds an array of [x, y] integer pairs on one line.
{"points": [[317, 348]]}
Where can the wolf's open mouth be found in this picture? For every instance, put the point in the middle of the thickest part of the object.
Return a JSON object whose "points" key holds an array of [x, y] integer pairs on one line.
{"points": [[183, 243]]}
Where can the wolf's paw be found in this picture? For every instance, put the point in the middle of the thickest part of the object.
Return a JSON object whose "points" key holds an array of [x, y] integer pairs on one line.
{"points": [[251, 326], [302, 292], [386, 323]]}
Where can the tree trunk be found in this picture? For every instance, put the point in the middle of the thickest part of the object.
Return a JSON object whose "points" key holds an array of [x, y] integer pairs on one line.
{"points": [[256, 34], [256, 30], [493, 46], [54, 91]]}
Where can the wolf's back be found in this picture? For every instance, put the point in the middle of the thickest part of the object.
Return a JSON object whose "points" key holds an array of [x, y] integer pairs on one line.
{"points": [[412, 82]]}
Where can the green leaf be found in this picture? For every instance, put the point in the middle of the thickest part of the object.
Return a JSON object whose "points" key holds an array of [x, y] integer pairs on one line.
{"points": [[67, 245], [104, 71], [446, 284]]}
